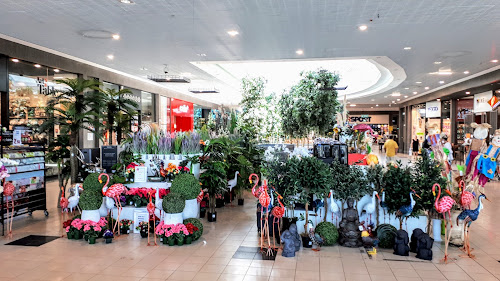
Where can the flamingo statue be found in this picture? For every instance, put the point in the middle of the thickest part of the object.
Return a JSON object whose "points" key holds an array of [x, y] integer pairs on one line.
{"points": [[114, 193], [254, 192], [8, 190], [443, 205], [151, 210], [265, 201], [73, 200], [334, 208], [370, 207], [63, 203], [466, 197], [231, 184], [468, 216], [278, 212], [406, 210]]}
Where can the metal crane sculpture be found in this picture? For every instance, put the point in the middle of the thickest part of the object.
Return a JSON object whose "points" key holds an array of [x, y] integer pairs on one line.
{"points": [[231, 184], [443, 205], [384, 206], [334, 208], [406, 210], [468, 216], [75, 199]]}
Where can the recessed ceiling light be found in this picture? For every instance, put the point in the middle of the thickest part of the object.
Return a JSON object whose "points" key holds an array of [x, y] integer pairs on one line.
{"points": [[299, 52], [442, 73], [415, 93], [393, 101], [427, 88], [466, 72], [201, 55], [398, 99], [396, 94], [371, 107], [407, 48], [353, 105], [126, 2], [56, 70], [406, 97], [438, 99], [373, 100], [418, 82], [441, 82], [110, 57], [15, 60], [37, 66], [233, 33], [376, 105], [116, 36], [467, 93], [143, 68], [437, 62], [362, 27], [407, 88], [494, 61]]}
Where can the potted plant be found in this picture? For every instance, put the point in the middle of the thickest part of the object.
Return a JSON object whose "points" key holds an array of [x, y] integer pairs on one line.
{"points": [[180, 232], [77, 228], [91, 198], [188, 187], [214, 180], [178, 145], [375, 176], [125, 226], [203, 208], [108, 236], [143, 229], [67, 228], [173, 205], [191, 228], [398, 186], [91, 231], [197, 229]]}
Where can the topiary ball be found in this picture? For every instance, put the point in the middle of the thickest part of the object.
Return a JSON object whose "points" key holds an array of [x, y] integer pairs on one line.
{"points": [[328, 231], [92, 183], [173, 203], [90, 200], [386, 234], [186, 185], [198, 224]]}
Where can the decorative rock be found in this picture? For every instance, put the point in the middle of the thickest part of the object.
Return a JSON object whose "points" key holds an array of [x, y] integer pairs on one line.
{"points": [[350, 235], [401, 243]]}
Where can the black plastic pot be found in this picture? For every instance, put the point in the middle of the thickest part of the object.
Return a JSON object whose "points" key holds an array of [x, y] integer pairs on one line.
{"points": [[306, 242], [203, 211], [108, 240], [227, 197], [144, 234], [269, 256], [219, 203], [287, 222], [212, 217], [241, 202]]}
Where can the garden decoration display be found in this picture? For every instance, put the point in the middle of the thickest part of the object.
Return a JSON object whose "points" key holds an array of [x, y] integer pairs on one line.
{"points": [[468, 216], [437, 147], [371, 207], [108, 236], [383, 205], [316, 240], [487, 162], [443, 205], [173, 205], [112, 192], [334, 208], [151, 211], [405, 211], [8, 191], [350, 235], [478, 143], [291, 241], [278, 212], [255, 193], [386, 234], [424, 247], [401, 243], [231, 184], [63, 203], [73, 200], [466, 197], [265, 202], [188, 186], [417, 232], [368, 238], [328, 233]]}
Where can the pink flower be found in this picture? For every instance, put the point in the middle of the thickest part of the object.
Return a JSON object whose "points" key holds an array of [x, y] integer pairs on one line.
{"points": [[97, 228], [67, 229], [86, 228]]}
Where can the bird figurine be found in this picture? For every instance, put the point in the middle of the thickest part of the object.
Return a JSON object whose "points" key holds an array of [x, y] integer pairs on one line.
{"points": [[151, 210], [63, 203], [75, 199], [383, 204], [406, 210], [255, 193], [466, 197], [334, 208], [278, 212], [443, 205], [8, 191], [468, 216], [114, 193], [315, 238], [371, 207], [231, 184]]}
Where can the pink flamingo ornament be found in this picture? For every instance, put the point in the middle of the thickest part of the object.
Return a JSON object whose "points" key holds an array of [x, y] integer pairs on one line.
{"points": [[466, 197], [442, 206], [151, 210], [63, 203], [264, 201], [113, 192], [8, 190], [254, 192], [278, 212]]}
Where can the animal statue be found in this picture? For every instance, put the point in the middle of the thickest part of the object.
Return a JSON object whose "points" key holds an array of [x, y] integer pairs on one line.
{"points": [[255, 193], [114, 193], [315, 238], [151, 210], [486, 165], [8, 191], [443, 205], [291, 241], [265, 201], [466, 197], [406, 210], [383, 204], [468, 216], [424, 247], [401, 243], [371, 207], [417, 232], [232, 183], [75, 199], [318, 205], [63, 203], [334, 208], [278, 212]]}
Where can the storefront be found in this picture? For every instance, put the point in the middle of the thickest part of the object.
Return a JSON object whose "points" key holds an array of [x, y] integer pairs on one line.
{"points": [[379, 123], [182, 115]]}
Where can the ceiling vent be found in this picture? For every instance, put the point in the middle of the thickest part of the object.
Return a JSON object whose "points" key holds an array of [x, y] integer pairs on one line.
{"points": [[169, 78], [204, 90]]}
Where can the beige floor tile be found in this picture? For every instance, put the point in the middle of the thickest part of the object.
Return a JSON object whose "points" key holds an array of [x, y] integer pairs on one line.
{"points": [[382, 278], [55, 275], [283, 273], [206, 276], [213, 268], [332, 276], [255, 278], [136, 272], [236, 269], [216, 260], [194, 267], [79, 277], [408, 278], [259, 271], [231, 277], [281, 279], [162, 274], [452, 275], [182, 275], [307, 275]]}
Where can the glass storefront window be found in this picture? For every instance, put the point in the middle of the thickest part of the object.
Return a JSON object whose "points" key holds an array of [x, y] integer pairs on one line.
{"points": [[418, 122], [147, 108], [465, 116], [445, 116], [165, 113]]}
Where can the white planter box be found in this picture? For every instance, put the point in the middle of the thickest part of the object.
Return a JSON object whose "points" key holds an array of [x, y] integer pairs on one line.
{"points": [[191, 210], [173, 218], [91, 215], [436, 230]]}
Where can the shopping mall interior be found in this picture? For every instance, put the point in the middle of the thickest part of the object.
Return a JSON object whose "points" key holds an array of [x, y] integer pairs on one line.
{"points": [[249, 140]]}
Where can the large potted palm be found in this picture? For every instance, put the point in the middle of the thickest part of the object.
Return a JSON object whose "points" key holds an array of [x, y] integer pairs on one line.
{"points": [[116, 103]]}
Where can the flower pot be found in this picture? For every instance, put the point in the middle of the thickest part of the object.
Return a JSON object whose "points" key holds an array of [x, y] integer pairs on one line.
{"points": [[77, 235], [173, 218], [144, 234], [436, 229], [241, 202], [165, 241], [69, 235], [124, 230], [219, 203], [92, 239], [203, 211], [212, 217], [188, 240], [269, 255], [196, 170], [457, 233], [91, 215], [108, 240], [86, 237], [306, 242], [180, 242], [103, 210], [191, 210], [171, 242]]}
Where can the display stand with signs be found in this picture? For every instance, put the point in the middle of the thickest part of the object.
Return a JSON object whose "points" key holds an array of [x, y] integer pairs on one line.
{"points": [[140, 215]]}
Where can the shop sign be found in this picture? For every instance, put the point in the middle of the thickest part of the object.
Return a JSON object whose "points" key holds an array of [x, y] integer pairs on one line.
{"points": [[481, 102], [433, 109], [360, 119], [43, 87], [367, 119], [132, 97]]}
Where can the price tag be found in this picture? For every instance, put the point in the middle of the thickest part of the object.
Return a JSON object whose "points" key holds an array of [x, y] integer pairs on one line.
{"points": [[141, 174], [16, 139], [140, 216]]}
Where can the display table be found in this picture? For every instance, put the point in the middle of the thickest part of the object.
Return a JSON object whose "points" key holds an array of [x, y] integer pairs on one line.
{"points": [[357, 157]]}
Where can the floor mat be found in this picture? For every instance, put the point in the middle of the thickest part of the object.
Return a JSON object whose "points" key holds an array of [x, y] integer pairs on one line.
{"points": [[33, 240]]}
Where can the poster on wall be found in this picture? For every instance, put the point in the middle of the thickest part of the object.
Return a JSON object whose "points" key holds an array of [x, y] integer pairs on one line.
{"points": [[481, 102], [433, 109], [464, 107]]}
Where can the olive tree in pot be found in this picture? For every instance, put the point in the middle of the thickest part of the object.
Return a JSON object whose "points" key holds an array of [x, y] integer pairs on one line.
{"points": [[398, 186], [91, 198], [188, 187], [173, 205]]}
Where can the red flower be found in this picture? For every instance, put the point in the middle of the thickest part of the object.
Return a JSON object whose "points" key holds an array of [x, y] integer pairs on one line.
{"points": [[191, 228]]}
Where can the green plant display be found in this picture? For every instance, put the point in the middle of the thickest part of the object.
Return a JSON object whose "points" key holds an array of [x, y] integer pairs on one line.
{"points": [[178, 143], [386, 234], [90, 200], [91, 182], [116, 102], [328, 231], [252, 105], [375, 177], [186, 185], [425, 173], [398, 185], [348, 181], [282, 176], [173, 203], [198, 224]]}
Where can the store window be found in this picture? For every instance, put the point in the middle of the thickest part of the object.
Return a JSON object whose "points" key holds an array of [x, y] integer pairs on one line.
{"points": [[465, 116], [165, 113], [418, 121], [147, 108], [445, 116]]}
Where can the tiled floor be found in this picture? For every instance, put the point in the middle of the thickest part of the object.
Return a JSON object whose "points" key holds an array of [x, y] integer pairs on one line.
{"points": [[213, 256]]}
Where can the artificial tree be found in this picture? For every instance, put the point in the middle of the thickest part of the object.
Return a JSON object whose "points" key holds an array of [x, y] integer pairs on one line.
{"points": [[425, 173], [59, 152], [348, 181], [398, 185], [252, 105], [375, 176]]}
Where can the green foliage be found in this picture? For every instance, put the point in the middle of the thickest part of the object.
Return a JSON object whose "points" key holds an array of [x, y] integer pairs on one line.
{"points": [[310, 105], [313, 177], [252, 105], [178, 143], [328, 231], [214, 179], [348, 181], [125, 157], [198, 224], [92, 183], [386, 234], [282, 176], [186, 185], [425, 173], [375, 176], [90, 199], [398, 185], [173, 203], [234, 122]]}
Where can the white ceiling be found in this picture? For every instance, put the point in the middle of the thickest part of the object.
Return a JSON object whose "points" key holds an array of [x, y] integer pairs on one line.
{"points": [[462, 34]]}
